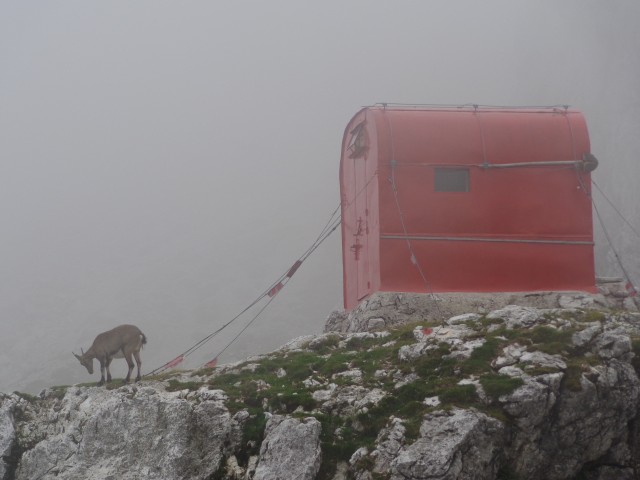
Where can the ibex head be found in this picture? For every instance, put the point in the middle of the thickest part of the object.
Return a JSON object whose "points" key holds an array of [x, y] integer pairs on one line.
{"points": [[85, 362]]}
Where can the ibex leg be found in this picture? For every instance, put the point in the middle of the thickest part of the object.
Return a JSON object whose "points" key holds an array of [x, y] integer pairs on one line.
{"points": [[139, 363]]}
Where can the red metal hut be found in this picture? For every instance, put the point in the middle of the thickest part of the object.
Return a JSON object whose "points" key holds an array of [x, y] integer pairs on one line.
{"points": [[465, 199]]}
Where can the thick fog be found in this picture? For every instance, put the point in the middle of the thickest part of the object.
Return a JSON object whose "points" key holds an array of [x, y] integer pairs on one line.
{"points": [[162, 164]]}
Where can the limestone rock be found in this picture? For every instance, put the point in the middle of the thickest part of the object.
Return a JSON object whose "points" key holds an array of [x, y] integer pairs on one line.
{"points": [[7, 431], [510, 356], [576, 300], [375, 323], [542, 360], [585, 423], [516, 316], [464, 318], [337, 321], [613, 344], [290, 449], [407, 353], [452, 445], [350, 399], [389, 442], [586, 335], [465, 349], [132, 433], [354, 375]]}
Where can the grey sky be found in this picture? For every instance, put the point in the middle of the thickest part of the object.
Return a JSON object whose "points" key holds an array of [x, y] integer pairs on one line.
{"points": [[162, 163]]}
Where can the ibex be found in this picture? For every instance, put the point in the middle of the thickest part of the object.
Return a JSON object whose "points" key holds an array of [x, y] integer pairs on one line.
{"points": [[123, 341]]}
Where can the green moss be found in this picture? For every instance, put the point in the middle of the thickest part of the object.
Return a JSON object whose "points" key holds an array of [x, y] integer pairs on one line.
{"points": [[372, 360], [225, 380], [336, 363], [290, 400], [535, 371], [338, 448], [485, 322], [252, 435], [576, 368], [551, 340], [375, 419], [87, 384], [414, 391], [542, 338], [459, 395], [175, 385], [593, 316], [298, 365], [27, 396], [497, 385], [432, 366], [496, 412], [359, 343], [58, 391], [404, 333], [481, 357], [572, 377]]}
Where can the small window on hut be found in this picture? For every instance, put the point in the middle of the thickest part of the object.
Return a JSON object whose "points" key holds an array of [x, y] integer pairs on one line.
{"points": [[358, 143], [452, 180]]}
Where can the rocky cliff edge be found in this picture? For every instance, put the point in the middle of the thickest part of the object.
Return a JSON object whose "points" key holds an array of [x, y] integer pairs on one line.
{"points": [[517, 392]]}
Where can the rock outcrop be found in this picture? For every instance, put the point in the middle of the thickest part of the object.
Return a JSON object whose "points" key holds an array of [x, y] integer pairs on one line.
{"points": [[452, 445], [290, 449], [535, 392]]}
